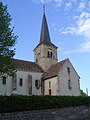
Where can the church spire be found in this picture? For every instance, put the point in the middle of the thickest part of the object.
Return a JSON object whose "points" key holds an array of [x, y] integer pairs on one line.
{"points": [[44, 36], [45, 53]]}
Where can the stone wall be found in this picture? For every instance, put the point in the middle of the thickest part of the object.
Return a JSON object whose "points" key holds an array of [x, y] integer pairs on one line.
{"points": [[70, 113], [40, 56]]}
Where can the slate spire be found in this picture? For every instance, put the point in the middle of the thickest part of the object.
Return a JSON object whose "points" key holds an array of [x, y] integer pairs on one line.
{"points": [[44, 36]]}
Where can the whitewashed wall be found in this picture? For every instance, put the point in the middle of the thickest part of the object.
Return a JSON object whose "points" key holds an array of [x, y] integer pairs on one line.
{"points": [[24, 89], [6, 89], [54, 86], [63, 80], [21, 90], [59, 84]]}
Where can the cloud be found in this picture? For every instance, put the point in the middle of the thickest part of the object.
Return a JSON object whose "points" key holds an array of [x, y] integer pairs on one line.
{"points": [[80, 28], [70, 30], [42, 1], [81, 20], [68, 6], [85, 47], [58, 2], [75, 17], [82, 5], [83, 25], [70, 51]]}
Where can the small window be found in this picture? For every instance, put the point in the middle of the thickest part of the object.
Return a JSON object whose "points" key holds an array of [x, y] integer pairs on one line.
{"points": [[36, 60], [78, 84], [4, 80], [48, 54], [51, 54], [68, 70], [49, 84], [69, 84], [37, 84], [21, 82]]}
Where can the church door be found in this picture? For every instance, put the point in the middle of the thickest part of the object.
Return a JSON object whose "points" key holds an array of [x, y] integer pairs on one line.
{"points": [[50, 93]]}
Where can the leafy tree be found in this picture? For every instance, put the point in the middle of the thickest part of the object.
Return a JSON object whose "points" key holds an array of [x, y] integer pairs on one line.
{"points": [[83, 93], [7, 42]]}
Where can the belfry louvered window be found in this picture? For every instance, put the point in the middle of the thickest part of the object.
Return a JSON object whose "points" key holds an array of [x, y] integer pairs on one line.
{"points": [[49, 54]]}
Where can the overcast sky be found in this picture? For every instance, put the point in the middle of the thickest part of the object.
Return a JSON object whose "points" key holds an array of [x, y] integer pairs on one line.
{"points": [[69, 27]]}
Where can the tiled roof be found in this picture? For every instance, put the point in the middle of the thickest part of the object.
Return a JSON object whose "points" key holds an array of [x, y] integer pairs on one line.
{"points": [[26, 66], [53, 70], [44, 36], [33, 67]]}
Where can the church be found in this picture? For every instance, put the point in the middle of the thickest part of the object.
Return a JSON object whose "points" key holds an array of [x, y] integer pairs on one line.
{"points": [[44, 76]]}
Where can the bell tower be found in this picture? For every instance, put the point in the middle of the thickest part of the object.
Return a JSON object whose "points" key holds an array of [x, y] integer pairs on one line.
{"points": [[45, 53]]}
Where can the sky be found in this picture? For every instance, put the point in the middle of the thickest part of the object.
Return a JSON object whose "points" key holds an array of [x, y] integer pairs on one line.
{"points": [[69, 28]]}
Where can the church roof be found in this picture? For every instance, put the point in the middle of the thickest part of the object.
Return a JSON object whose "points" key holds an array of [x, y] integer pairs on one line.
{"points": [[44, 35], [33, 67], [26, 66], [53, 70]]}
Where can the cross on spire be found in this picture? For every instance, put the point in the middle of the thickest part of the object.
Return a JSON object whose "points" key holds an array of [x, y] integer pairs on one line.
{"points": [[44, 35], [44, 8]]}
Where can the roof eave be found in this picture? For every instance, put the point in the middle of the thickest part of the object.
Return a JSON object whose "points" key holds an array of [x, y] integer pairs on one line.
{"points": [[49, 77]]}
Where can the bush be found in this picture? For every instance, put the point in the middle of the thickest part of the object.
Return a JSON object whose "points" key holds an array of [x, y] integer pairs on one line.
{"points": [[28, 103]]}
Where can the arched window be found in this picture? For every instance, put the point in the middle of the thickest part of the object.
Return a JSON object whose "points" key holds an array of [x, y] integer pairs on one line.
{"points": [[68, 70], [20, 81], [37, 84], [36, 60], [49, 54], [49, 84], [69, 84], [4, 80], [78, 84]]}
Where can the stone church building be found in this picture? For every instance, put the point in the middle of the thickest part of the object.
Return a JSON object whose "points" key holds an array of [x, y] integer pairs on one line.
{"points": [[44, 76]]}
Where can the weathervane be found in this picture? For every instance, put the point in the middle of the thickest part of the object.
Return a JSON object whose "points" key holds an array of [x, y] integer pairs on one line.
{"points": [[43, 6]]}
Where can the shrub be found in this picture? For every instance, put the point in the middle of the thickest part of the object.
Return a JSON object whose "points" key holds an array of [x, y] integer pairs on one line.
{"points": [[28, 103]]}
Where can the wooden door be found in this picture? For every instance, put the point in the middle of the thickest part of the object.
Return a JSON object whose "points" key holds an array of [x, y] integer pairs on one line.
{"points": [[50, 92]]}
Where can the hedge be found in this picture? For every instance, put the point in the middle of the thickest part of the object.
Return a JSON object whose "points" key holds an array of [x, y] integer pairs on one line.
{"points": [[28, 103]]}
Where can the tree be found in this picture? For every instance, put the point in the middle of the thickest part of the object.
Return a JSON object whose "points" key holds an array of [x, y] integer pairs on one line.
{"points": [[83, 93], [7, 42]]}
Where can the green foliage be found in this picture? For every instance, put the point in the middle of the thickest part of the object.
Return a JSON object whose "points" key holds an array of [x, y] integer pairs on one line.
{"points": [[82, 93], [7, 41], [26, 103]]}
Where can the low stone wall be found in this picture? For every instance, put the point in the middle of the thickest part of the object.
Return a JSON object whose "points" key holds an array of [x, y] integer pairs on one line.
{"points": [[70, 113]]}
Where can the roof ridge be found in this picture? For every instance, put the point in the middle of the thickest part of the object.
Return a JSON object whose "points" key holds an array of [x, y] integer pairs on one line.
{"points": [[53, 70], [26, 65], [39, 67], [23, 60]]}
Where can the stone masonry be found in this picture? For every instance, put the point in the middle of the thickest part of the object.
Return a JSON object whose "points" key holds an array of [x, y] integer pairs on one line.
{"points": [[70, 113]]}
